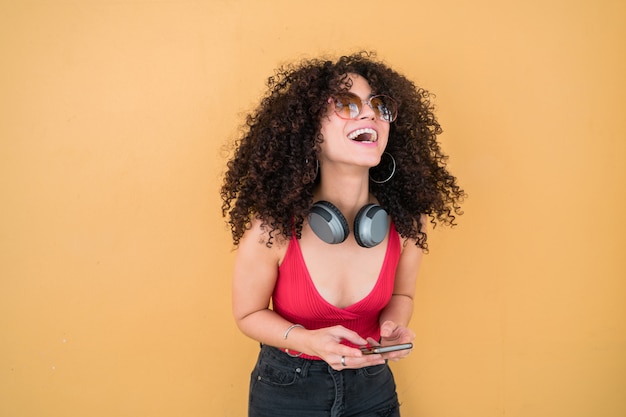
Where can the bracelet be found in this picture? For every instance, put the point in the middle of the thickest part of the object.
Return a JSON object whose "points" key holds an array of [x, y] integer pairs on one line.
{"points": [[290, 328]]}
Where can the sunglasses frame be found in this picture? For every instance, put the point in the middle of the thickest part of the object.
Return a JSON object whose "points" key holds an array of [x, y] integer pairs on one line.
{"points": [[360, 103]]}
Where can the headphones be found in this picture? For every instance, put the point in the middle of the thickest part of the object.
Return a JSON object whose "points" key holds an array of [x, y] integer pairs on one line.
{"points": [[330, 225]]}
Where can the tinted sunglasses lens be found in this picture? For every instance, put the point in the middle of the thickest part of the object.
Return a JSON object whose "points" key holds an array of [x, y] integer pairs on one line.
{"points": [[348, 106], [384, 107]]}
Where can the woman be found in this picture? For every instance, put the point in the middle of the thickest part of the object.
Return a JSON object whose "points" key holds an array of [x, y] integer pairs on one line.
{"points": [[327, 196]]}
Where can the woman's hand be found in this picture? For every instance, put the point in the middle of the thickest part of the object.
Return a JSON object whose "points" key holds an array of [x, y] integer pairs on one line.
{"points": [[326, 344], [393, 334]]}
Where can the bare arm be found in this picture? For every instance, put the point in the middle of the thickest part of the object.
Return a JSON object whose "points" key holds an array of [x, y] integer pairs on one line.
{"points": [[254, 278], [396, 316]]}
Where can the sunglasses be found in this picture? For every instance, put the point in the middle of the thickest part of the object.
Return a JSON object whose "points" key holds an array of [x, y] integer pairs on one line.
{"points": [[349, 106]]}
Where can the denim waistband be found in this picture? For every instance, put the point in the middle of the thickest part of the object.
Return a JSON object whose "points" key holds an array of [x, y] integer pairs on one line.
{"points": [[280, 357]]}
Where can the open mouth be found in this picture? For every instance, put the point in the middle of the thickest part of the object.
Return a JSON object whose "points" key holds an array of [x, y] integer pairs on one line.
{"points": [[364, 135]]}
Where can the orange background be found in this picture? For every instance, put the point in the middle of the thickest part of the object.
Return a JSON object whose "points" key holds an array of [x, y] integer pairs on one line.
{"points": [[115, 262]]}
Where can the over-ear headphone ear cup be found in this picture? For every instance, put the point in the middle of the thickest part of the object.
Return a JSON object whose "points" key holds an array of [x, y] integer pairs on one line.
{"points": [[370, 225], [328, 223]]}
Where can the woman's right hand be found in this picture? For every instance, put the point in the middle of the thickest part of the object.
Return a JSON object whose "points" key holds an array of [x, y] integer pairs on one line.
{"points": [[326, 344]]}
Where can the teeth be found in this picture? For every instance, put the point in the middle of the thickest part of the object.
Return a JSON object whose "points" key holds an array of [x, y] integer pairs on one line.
{"points": [[357, 133]]}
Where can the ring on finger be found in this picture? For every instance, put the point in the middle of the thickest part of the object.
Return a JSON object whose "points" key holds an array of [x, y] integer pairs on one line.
{"points": [[343, 361]]}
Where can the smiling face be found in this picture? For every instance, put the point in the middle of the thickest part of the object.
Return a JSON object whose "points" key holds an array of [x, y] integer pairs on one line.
{"points": [[360, 141]]}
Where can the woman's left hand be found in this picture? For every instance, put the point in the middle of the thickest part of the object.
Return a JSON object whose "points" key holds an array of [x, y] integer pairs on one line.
{"points": [[394, 334]]}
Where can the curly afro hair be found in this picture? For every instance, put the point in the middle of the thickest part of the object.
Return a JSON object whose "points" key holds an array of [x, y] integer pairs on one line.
{"points": [[273, 171]]}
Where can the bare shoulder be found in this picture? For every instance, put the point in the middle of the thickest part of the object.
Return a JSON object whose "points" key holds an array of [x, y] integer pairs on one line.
{"points": [[256, 246], [411, 244]]}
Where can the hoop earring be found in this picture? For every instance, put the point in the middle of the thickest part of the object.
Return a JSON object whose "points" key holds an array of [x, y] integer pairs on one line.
{"points": [[393, 170], [317, 167]]}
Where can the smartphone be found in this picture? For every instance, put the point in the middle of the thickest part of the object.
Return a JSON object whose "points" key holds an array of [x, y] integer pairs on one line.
{"points": [[369, 350]]}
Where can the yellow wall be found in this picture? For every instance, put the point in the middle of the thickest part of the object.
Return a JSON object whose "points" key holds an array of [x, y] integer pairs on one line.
{"points": [[115, 263]]}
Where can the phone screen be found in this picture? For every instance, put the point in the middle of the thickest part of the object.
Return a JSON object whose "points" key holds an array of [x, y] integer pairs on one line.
{"points": [[369, 350]]}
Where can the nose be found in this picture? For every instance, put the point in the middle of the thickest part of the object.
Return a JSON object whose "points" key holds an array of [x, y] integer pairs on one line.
{"points": [[367, 111]]}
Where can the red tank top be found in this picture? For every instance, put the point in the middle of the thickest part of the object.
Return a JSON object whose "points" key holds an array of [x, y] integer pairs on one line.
{"points": [[296, 299]]}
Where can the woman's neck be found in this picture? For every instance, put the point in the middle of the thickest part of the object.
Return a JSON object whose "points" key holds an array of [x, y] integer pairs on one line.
{"points": [[349, 192]]}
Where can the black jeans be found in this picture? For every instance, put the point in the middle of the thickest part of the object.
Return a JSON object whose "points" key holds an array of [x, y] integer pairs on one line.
{"points": [[283, 386]]}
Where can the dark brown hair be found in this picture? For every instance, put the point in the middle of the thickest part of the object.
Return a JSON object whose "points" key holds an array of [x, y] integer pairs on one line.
{"points": [[273, 171]]}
